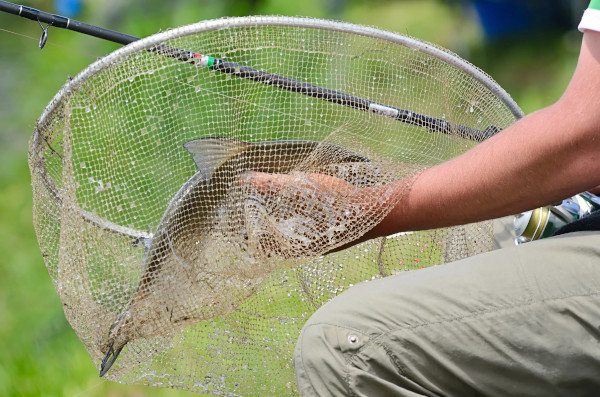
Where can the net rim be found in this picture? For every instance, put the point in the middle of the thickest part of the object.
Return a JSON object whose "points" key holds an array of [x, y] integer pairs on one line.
{"points": [[300, 22], [241, 22]]}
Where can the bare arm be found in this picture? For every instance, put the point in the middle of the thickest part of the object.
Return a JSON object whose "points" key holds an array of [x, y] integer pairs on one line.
{"points": [[548, 155]]}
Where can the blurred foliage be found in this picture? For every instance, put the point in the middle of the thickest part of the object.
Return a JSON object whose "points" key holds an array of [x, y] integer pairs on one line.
{"points": [[41, 356]]}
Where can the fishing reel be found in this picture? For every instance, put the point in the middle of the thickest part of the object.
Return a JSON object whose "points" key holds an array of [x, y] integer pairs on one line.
{"points": [[546, 221]]}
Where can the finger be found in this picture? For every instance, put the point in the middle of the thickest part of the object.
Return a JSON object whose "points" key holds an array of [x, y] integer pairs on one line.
{"points": [[264, 182]]}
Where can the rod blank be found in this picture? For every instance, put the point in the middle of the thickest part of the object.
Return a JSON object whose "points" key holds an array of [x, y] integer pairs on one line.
{"points": [[433, 124]]}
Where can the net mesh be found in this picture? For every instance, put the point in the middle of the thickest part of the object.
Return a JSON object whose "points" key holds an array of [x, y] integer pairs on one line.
{"points": [[160, 253]]}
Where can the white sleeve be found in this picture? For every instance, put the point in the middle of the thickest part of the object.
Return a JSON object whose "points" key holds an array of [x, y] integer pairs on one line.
{"points": [[590, 20]]}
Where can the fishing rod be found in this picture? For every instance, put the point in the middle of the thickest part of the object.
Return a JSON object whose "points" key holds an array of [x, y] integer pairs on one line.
{"points": [[433, 124]]}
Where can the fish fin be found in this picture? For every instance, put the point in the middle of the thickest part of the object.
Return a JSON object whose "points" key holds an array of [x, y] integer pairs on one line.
{"points": [[109, 359], [210, 153]]}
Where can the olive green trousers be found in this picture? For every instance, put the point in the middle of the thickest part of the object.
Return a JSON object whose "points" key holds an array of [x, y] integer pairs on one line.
{"points": [[520, 321]]}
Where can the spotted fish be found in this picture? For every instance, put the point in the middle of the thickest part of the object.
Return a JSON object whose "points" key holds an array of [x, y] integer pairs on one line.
{"points": [[189, 215]]}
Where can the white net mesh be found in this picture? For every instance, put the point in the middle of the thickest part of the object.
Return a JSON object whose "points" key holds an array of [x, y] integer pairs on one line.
{"points": [[165, 261]]}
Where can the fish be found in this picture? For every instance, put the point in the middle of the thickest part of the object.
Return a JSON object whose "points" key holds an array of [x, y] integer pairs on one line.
{"points": [[191, 212]]}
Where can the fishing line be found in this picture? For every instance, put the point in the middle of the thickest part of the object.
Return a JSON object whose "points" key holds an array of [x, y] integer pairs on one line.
{"points": [[89, 388], [70, 49], [19, 34]]}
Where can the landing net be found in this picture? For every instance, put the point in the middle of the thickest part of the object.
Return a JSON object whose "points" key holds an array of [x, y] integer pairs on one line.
{"points": [[167, 263]]}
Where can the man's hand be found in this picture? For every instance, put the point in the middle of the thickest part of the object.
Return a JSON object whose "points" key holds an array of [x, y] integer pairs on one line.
{"points": [[318, 213], [544, 157]]}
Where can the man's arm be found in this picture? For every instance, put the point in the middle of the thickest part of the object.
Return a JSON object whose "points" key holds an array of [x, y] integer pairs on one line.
{"points": [[548, 155]]}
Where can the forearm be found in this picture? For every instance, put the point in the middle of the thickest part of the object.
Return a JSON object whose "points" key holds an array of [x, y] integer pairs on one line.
{"points": [[545, 157], [504, 175]]}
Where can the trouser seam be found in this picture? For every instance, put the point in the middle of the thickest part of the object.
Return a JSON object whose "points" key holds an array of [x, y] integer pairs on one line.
{"points": [[301, 363], [348, 363], [473, 315], [346, 376], [470, 317]]}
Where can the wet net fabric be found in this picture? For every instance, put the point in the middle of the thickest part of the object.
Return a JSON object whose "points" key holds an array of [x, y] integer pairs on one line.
{"points": [[158, 249]]}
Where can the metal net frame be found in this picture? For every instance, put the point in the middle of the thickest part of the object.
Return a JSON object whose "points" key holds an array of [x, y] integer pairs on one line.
{"points": [[172, 270]]}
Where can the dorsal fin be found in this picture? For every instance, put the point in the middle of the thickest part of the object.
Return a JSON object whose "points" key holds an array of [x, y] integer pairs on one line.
{"points": [[210, 153]]}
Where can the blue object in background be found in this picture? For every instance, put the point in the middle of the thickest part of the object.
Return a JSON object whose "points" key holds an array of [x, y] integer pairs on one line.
{"points": [[68, 8], [502, 18], [506, 18]]}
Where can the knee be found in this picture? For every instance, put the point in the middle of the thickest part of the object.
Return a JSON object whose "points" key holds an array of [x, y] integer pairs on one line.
{"points": [[321, 357]]}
